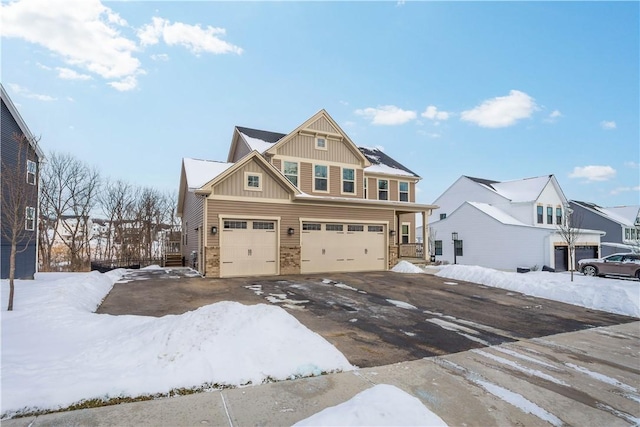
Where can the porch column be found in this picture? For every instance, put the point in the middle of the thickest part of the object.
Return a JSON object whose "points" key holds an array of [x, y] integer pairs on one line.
{"points": [[425, 243]]}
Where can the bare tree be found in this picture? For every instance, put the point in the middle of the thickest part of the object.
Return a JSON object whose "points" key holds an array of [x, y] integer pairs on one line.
{"points": [[116, 200], [19, 219], [570, 232], [69, 194]]}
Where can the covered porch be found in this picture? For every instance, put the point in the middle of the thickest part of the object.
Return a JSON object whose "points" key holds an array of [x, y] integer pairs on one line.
{"points": [[410, 246]]}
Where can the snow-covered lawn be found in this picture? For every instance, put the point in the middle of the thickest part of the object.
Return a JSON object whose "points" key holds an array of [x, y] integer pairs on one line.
{"points": [[56, 351], [618, 296]]}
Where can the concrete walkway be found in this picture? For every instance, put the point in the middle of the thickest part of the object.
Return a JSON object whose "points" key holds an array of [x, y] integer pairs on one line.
{"points": [[585, 378]]}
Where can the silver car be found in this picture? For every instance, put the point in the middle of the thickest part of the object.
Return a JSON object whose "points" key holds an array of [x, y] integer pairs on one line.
{"points": [[627, 264]]}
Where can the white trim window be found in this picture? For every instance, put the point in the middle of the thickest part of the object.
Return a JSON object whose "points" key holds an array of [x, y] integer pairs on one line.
{"points": [[290, 170], [321, 143], [348, 180], [253, 181], [364, 186], [404, 232], [321, 178], [31, 172], [383, 189], [30, 218], [403, 191]]}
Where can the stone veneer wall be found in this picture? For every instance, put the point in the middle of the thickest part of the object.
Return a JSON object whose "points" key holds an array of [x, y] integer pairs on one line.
{"points": [[393, 255], [290, 260], [212, 262]]}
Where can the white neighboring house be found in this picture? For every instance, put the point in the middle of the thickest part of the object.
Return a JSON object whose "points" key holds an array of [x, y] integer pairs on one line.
{"points": [[506, 225]]}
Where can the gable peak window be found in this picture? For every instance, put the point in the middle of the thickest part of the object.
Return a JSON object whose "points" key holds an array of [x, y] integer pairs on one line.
{"points": [[539, 214], [549, 215], [321, 143], [252, 181], [559, 216], [320, 178]]}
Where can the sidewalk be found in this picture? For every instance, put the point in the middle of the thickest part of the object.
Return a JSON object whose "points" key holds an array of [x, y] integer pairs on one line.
{"points": [[590, 377]]}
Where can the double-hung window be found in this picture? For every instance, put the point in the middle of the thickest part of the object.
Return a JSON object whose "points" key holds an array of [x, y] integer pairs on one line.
{"points": [[291, 172], [404, 235], [559, 216], [383, 189], [348, 180], [321, 178], [364, 186], [403, 189], [549, 215], [252, 181], [438, 247], [31, 172], [539, 214], [30, 218]]}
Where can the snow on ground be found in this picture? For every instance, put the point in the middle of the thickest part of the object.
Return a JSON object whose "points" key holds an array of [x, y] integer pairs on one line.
{"points": [[381, 405], [406, 267], [613, 295], [56, 351]]}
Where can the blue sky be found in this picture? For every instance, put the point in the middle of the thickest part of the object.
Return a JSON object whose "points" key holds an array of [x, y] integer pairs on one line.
{"points": [[496, 90]]}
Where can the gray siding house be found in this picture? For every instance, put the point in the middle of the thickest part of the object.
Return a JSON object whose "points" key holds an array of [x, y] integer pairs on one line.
{"points": [[621, 225], [27, 154]]}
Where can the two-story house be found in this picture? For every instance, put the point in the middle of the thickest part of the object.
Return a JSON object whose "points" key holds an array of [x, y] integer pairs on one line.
{"points": [[308, 201], [21, 157], [620, 223], [507, 225]]}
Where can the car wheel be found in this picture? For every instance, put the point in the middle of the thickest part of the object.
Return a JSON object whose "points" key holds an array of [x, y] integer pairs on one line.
{"points": [[638, 274], [590, 270]]}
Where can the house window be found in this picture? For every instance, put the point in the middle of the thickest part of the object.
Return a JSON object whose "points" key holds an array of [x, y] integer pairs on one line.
{"points": [[321, 178], [252, 181], [365, 187], [30, 218], [291, 172], [458, 247], [559, 216], [404, 233], [348, 180], [443, 215], [321, 143], [437, 245], [31, 172], [403, 188], [549, 215], [627, 234], [383, 189], [540, 219]]}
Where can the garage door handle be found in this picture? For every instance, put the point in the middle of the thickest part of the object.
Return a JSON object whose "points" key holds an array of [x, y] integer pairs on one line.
{"points": [[249, 252], [323, 252], [366, 251]]}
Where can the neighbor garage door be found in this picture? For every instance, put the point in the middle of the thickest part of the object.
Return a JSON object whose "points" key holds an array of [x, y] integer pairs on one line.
{"points": [[248, 248], [336, 247], [583, 252]]}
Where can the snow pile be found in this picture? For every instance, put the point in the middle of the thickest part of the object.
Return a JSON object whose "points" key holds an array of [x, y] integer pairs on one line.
{"points": [[406, 267], [382, 405], [612, 295], [56, 351]]}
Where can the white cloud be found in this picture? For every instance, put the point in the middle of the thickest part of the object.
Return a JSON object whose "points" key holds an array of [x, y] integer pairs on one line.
{"points": [[501, 111], [193, 37], [85, 33], [387, 115], [69, 74], [608, 125], [432, 113], [619, 190], [160, 57], [344, 102], [553, 116], [632, 165], [28, 94], [128, 83], [593, 173]]}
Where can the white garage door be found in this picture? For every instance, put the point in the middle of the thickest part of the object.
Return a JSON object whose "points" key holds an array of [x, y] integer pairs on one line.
{"points": [[248, 248], [342, 247]]}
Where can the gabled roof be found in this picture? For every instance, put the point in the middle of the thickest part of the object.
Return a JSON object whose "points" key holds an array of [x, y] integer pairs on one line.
{"points": [[520, 190], [20, 121], [199, 172], [381, 163], [623, 215], [262, 135], [497, 214]]}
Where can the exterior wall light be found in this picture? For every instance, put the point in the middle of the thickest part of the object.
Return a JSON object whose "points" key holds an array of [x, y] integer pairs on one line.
{"points": [[392, 233], [290, 231], [214, 230]]}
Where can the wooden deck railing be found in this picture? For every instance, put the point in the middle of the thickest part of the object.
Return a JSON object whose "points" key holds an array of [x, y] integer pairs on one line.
{"points": [[411, 250]]}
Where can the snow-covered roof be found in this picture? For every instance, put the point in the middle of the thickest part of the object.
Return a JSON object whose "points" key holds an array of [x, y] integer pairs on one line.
{"points": [[199, 172], [381, 163], [257, 144], [497, 214], [624, 215], [521, 190]]}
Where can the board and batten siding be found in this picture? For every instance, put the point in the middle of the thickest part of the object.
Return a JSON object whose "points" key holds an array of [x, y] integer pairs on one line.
{"points": [[323, 125], [234, 185], [26, 260], [304, 147], [192, 219], [241, 149], [290, 214]]}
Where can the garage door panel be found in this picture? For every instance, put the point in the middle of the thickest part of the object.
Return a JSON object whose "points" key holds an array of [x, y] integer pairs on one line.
{"points": [[248, 247]]}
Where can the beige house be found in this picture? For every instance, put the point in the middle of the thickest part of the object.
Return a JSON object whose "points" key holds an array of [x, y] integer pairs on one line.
{"points": [[304, 202]]}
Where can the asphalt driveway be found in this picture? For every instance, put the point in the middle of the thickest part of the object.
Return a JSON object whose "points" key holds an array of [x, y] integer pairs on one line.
{"points": [[374, 319]]}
